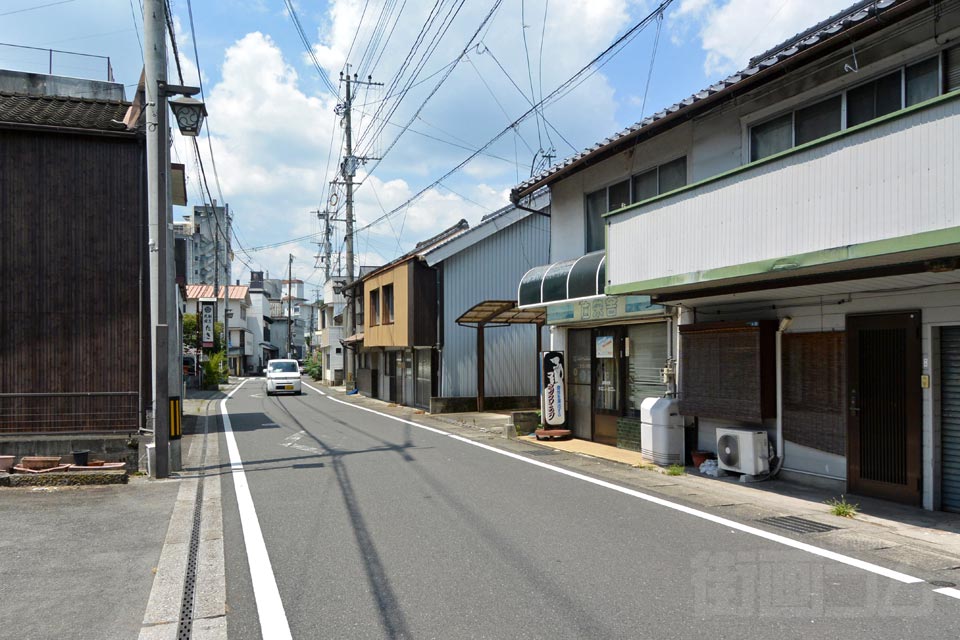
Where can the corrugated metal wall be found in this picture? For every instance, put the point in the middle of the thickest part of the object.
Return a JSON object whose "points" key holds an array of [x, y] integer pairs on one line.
{"points": [[491, 270], [72, 229]]}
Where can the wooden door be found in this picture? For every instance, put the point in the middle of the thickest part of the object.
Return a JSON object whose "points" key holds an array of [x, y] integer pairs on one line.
{"points": [[884, 414]]}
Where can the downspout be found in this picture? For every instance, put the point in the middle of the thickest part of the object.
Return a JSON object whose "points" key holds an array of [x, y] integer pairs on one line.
{"points": [[784, 325]]}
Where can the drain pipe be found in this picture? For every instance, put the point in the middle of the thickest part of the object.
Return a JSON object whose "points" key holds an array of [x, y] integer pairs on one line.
{"points": [[784, 325]]}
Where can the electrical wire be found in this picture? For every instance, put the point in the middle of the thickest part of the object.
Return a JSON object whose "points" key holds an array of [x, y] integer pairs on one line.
{"points": [[560, 91]]}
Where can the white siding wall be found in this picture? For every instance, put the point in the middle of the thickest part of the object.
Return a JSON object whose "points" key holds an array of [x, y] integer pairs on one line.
{"points": [[491, 270], [891, 180]]}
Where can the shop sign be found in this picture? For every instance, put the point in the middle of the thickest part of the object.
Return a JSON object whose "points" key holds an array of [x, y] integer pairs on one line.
{"points": [[206, 324], [601, 309], [553, 390]]}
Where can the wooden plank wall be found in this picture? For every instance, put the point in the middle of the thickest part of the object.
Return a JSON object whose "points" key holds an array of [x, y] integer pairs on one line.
{"points": [[74, 315]]}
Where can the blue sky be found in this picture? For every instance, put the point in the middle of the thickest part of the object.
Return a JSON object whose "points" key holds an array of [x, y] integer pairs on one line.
{"points": [[273, 128]]}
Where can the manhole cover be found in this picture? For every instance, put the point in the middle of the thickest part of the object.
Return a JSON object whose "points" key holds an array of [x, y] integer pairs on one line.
{"points": [[797, 524]]}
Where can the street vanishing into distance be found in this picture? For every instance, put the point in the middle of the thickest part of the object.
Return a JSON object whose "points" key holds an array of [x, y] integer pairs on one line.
{"points": [[379, 528]]}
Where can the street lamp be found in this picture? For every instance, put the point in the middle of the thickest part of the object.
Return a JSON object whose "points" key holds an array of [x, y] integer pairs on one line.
{"points": [[189, 113]]}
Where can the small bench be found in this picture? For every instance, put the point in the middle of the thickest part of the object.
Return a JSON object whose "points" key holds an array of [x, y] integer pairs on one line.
{"points": [[551, 434]]}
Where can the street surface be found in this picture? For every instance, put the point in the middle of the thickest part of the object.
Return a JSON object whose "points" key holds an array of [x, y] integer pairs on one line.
{"points": [[376, 528]]}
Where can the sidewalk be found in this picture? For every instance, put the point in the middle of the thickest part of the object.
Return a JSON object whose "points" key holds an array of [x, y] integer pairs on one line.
{"points": [[81, 561], [910, 539]]}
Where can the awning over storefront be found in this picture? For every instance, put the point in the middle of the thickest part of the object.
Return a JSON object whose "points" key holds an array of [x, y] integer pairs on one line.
{"points": [[500, 312], [269, 347], [357, 337], [576, 279]]}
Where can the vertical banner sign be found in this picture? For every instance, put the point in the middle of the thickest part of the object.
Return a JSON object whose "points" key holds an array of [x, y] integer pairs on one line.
{"points": [[207, 324], [554, 391]]}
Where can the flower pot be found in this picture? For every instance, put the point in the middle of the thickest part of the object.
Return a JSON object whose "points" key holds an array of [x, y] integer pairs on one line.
{"points": [[699, 457], [80, 457], [6, 463]]}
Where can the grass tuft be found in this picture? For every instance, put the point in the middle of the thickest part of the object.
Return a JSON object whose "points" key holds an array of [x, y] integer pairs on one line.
{"points": [[840, 507], [676, 470]]}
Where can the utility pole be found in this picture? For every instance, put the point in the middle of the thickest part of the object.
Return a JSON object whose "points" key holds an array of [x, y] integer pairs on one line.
{"points": [[158, 186], [226, 273], [349, 170], [290, 307]]}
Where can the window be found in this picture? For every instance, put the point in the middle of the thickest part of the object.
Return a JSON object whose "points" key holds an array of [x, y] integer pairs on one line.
{"points": [[618, 195], [596, 207], [338, 350], [388, 304], [817, 120], [874, 99], [648, 184], [374, 307], [902, 88], [771, 137]]}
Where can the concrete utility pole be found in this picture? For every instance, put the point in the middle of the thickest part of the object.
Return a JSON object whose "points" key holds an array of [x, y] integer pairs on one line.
{"points": [[290, 307], [226, 273], [349, 170], [158, 186]]}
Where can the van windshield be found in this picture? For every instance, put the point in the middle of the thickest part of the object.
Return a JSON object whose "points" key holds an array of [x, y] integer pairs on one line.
{"points": [[284, 367]]}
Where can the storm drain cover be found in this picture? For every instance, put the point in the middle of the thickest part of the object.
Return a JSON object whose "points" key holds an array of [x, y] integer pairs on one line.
{"points": [[797, 524], [541, 453]]}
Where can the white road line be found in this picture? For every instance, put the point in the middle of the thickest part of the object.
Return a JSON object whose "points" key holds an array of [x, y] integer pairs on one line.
{"points": [[273, 619], [703, 515], [948, 591]]}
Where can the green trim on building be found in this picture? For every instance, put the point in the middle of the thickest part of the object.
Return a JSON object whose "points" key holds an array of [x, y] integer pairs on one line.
{"points": [[925, 240]]}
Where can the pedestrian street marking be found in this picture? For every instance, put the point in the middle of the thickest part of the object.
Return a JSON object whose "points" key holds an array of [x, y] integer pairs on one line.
{"points": [[293, 443]]}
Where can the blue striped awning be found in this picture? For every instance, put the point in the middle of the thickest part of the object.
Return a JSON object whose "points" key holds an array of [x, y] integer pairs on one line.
{"points": [[562, 281]]}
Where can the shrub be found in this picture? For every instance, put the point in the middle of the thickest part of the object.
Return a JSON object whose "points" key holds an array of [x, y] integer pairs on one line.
{"points": [[215, 371]]}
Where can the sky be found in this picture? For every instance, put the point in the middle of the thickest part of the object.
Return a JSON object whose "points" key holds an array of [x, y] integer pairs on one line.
{"points": [[476, 67]]}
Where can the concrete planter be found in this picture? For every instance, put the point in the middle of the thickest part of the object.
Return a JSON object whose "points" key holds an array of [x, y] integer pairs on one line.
{"points": [[6, 463]]}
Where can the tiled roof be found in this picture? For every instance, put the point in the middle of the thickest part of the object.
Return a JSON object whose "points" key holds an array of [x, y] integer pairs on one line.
{"points": [[825, 30], [74, 113], [195, 291]]}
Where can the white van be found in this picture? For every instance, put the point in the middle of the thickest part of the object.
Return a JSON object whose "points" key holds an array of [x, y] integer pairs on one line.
{"points": [[283, 376]]}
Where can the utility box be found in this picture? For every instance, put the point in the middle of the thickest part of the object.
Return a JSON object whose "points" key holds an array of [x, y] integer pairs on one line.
{"points": [[661, 431]]}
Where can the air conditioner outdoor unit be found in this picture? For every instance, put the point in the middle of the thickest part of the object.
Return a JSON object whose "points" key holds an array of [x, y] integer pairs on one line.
{"points": [[743, 451]]}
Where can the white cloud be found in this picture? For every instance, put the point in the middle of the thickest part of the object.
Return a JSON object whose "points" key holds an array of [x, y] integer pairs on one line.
{"points": [[732, 32]]}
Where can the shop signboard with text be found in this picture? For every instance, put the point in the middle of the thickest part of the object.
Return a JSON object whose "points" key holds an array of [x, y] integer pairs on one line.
{"points": [[552, 389], [206, 325]]}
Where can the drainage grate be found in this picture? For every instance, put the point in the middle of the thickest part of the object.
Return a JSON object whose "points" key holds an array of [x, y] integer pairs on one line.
{"points": [[541, 453], [185, 629], [797, 524]]}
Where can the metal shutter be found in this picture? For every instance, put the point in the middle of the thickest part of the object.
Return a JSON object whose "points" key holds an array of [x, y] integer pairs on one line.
{"points": [[950, 416]]}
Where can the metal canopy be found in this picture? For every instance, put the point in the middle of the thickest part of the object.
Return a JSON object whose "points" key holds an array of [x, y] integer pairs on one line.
{"points": [[583, 277], [497, 313], [500, 312]]}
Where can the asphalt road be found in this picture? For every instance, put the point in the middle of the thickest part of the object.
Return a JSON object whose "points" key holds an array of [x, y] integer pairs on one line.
{"points": [[379, 529]]}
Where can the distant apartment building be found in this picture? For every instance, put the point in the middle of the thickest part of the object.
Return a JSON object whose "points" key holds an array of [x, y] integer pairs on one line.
{"points": [[207, 232]]}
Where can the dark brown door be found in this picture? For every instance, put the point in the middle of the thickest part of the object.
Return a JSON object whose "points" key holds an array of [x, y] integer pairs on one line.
{"points": [[884, 412]]}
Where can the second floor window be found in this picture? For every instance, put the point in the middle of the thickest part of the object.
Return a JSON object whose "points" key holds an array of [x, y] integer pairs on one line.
{"points": [[375, 307], [652, 182], [388, 304], [900, 89]]}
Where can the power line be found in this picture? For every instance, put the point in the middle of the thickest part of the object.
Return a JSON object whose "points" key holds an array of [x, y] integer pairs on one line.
{"points": [[309, 48], [560, 91], [40, 6]]}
